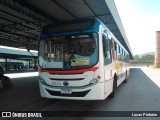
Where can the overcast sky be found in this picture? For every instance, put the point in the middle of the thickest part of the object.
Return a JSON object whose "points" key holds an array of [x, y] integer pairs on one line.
{"points": [[140, 19]]}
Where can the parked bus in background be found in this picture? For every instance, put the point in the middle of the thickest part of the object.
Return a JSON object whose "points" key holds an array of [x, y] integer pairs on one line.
{"points": [[81, 60], [10, 66]]}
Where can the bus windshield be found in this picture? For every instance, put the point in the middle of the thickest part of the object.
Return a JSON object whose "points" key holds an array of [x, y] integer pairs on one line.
{"points": [[67, 52]]}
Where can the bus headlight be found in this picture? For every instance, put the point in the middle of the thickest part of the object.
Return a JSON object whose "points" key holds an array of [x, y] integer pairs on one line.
{"points": [[93, 81], [42, 81]]}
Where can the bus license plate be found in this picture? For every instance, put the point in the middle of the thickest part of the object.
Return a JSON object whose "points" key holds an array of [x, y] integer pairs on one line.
{"points": [[66, 91]]}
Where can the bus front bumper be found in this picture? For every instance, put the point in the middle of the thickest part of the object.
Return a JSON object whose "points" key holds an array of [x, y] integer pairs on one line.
{"points": [[93, 92]]}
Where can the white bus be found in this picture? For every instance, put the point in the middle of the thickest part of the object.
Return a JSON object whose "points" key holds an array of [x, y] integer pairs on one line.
{"points": [[81, 60]]}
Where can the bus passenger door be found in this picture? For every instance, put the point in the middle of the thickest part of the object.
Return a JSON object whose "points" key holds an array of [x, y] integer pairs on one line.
{"points": [[108, 65]]}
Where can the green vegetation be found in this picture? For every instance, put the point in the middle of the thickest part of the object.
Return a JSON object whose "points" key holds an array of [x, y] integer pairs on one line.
{"points": [[146, 59], [157, 68]]}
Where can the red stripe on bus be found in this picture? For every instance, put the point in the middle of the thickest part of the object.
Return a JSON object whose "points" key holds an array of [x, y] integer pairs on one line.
{"points": [[69, 71]]}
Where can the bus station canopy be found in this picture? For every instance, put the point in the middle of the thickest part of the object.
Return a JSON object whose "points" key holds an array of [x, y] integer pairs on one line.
{"points": [[22, 20], [9, 52]]}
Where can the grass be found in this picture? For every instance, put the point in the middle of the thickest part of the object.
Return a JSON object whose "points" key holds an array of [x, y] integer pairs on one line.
{"points": [[157, 68]]}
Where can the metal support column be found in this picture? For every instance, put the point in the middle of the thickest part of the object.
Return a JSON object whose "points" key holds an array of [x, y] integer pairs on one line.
{"points": [[157, 50], [5, 64]]}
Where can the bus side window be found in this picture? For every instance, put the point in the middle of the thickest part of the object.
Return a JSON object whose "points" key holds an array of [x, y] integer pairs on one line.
{"points": [[107, 50], [113, 50], [118, 52]]}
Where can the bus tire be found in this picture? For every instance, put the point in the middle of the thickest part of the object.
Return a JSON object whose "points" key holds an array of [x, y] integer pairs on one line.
{"points": [[125, 81], [114, 87], [6, 82]]}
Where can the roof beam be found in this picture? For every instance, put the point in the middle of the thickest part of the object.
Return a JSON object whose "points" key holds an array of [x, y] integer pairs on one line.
{"points": [[15, 34], [12, 4], [38, 24], [37, 10], [22, 38], [16, 16], [6, 38], [17, 27], [14, 28]]}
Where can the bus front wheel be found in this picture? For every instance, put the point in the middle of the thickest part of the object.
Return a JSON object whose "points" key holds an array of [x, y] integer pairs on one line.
{"points": [[114, 87]]}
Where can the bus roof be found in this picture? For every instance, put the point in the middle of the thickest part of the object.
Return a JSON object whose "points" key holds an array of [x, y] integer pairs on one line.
{"points": [[72, 25]]}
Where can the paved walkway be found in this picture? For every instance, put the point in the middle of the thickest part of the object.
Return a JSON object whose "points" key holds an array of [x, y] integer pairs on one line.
{"points": [[140, 93], [153, 74], [20, 75]]}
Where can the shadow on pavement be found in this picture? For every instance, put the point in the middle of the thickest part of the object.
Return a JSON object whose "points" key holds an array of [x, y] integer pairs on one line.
{"points": [[138, 94]]}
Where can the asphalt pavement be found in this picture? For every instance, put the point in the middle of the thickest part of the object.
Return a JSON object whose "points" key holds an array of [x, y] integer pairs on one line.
{"points": [[141, 93]]}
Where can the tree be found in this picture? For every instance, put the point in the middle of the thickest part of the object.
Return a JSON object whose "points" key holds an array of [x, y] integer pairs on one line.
{"points": [[136, 58], [148, 58], [145, 59]]}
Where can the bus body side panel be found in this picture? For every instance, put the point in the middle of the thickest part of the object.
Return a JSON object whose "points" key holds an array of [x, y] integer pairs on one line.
{"points": [[121, 72], [108, 79], [117, 68], [108, 70]]}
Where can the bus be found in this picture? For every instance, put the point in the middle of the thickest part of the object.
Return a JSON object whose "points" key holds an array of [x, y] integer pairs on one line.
{"points": [[12, 66], [80, 60]]}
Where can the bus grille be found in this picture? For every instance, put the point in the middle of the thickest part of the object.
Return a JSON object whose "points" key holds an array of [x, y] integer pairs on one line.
{"points": [[74, 94]]}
